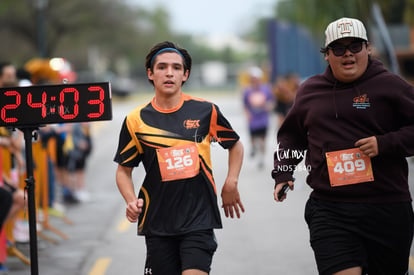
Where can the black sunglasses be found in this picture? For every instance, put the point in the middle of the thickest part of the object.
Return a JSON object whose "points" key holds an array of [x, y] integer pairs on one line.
{"points": [[340, 49]]}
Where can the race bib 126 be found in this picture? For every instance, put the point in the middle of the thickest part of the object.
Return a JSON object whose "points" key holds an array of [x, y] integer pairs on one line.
{"points": [[178, 162], [348, 167]]}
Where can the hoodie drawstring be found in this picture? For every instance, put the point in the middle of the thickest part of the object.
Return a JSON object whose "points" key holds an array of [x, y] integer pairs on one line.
{"points": [[334, 99]]}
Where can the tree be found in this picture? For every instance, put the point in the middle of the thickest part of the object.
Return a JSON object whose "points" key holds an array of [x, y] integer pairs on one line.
{"points": [[111, 29], [70, 28], [316, 14]]}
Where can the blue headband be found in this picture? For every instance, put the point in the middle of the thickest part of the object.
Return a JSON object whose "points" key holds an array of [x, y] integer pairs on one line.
{"points": [[164, 50]]}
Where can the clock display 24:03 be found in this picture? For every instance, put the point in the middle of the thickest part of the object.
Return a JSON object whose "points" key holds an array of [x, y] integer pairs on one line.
{"points": [[47, 104]]}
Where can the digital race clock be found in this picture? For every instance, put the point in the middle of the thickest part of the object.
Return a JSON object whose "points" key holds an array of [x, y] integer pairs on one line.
{"points": [[47, 104]]}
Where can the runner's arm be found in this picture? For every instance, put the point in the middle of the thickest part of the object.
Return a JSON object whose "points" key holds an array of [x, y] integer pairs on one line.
{"points": [[126, 187], [229, 193]]}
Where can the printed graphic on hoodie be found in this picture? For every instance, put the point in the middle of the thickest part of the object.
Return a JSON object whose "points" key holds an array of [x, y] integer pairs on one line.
{"points": [[361, 102]]}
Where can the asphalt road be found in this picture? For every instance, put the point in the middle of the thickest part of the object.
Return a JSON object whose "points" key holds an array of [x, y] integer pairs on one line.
{"points": [[269, 238]]}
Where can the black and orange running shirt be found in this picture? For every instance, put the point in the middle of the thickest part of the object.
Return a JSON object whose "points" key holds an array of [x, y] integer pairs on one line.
{"points": [[178, 190]]}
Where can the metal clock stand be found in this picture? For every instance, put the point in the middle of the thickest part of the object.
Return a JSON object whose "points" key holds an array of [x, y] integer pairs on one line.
{"points": [[29, 133]]}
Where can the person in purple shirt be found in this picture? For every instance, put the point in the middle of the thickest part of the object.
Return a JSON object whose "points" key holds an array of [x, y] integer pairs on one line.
{"points": [[258, 104]]}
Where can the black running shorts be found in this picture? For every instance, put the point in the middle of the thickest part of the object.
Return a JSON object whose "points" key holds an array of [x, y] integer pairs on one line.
{"points": [[376, 237], [261, 132], [173, 254]]}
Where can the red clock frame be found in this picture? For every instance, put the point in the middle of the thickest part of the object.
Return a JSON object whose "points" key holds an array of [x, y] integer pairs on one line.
{"points": [[48, 104]]}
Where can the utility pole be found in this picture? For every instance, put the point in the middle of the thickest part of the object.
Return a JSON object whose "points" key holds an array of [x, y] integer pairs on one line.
{"points": [[40, 6]]}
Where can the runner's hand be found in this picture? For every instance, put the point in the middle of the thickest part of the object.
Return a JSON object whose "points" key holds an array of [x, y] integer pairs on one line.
{"points": [[133, 210], [368, 146], [231, 200], [278, 187]]}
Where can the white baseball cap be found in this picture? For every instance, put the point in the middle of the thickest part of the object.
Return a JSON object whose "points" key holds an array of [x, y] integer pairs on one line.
{"points": [[255, 72], [345, 27]]}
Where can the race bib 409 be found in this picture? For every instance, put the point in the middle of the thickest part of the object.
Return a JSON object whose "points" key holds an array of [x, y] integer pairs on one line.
{"points": [[349, 166]]}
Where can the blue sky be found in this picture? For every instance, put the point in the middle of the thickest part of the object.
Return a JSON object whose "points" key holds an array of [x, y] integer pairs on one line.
{"points": [[212, 17]]}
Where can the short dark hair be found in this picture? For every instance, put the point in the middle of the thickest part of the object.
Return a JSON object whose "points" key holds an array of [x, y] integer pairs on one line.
{"points": [[149, 60], [22, 73]]}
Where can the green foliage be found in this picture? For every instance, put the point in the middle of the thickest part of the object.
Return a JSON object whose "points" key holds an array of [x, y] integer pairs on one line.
{"points": [[409, 13], [72, 29], [318, 13]]}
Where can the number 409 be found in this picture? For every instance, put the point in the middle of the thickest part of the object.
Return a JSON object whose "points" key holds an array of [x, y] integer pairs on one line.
{"points": [[350, 166]]}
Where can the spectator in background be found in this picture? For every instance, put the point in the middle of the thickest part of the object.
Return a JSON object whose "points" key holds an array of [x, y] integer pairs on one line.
{"points": [[61, 132], [77, 157], [258, 104], [46, 133], [6, 201], [284, 91], [6, 194], [8, 78]]}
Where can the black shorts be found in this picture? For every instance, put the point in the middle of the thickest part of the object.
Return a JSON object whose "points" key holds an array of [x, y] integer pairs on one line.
{"points": [[173, 254], [376, 237], [6, 201], [61, 158], [282, 108], [261, 132], [76, 164]]}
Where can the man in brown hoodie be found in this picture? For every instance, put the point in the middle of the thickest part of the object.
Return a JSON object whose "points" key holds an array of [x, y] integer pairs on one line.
{"points": [[356, 123]]}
